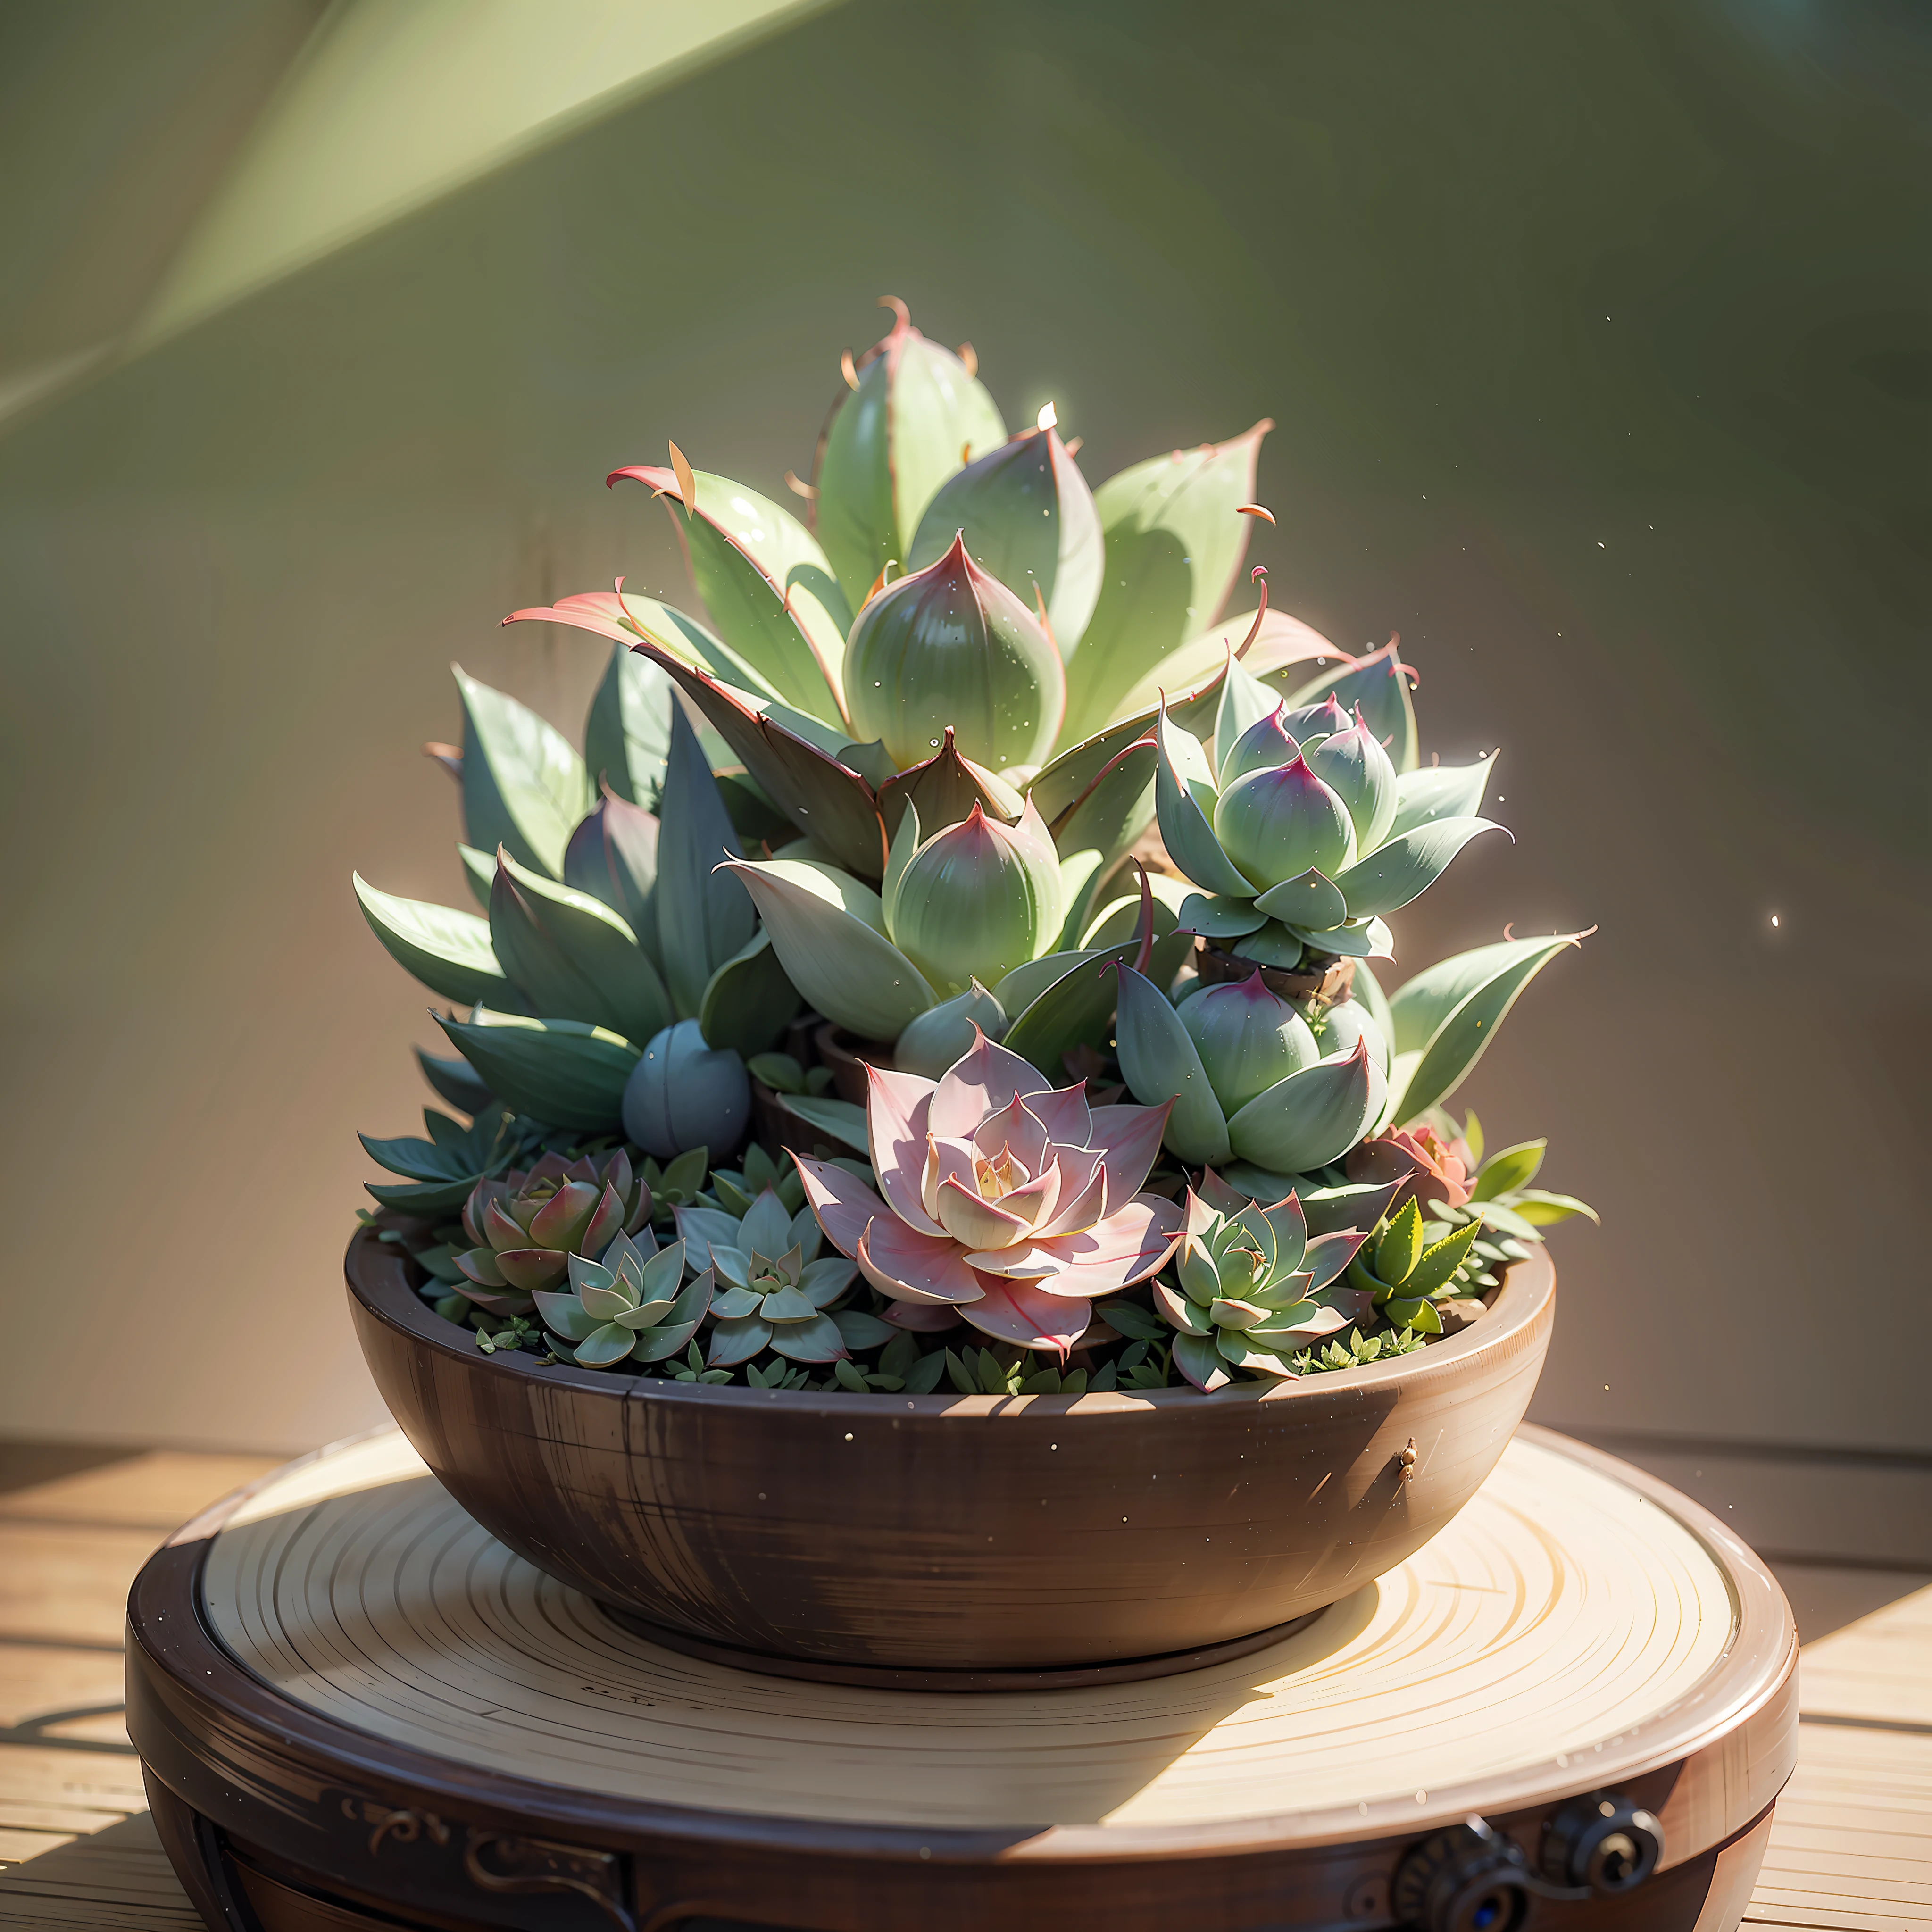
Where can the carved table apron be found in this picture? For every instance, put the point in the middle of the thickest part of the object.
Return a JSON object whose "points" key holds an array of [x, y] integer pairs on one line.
{"points": [[357, 1709]]}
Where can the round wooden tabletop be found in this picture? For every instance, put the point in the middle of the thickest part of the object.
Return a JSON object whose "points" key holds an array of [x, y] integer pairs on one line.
{"points": [[1576, 1628]]}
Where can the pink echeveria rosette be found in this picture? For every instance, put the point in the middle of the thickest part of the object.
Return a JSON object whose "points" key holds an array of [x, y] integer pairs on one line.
{"points": [[1007, 1201]]}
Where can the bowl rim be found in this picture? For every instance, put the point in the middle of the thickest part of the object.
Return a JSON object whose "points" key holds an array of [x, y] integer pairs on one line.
{"points": [[377, 1283]]}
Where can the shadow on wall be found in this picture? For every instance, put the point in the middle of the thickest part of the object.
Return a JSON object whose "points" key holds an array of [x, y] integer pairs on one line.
{"points": [[1600, 376]]}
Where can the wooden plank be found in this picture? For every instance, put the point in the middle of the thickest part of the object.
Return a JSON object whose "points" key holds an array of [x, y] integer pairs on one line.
{"points": [[1851, 1850], [119, 1878], [158, 1489], [62, 1581], [39, 1678]]}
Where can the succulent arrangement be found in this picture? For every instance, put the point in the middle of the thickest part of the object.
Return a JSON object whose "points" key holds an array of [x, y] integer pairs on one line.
{"points": [[963, 760]]}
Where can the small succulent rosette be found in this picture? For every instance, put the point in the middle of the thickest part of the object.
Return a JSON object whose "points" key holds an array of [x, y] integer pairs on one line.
{"points": [[774, 1288], [1003, 1201], [632, 1303], [525, 1228], [1251, 1289]]}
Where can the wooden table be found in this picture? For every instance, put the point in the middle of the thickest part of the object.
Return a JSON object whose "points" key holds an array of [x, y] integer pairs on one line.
{"points": [[1852, 1848]]}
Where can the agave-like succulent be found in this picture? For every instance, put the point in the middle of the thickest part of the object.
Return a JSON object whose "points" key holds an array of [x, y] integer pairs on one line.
{"points": [[606, 924], [1003, 1201], [1402, 1271], [1251, 1289], [1297, 827], [1020, 658], [525, 1228], [774, 1289], [631, 1304]]}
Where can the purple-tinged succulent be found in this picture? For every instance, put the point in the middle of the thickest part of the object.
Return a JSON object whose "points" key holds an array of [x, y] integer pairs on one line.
{"points": [[527, 1226]]}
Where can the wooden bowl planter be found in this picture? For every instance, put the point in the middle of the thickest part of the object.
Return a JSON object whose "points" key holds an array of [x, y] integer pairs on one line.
{"points": [[951, 1541]]}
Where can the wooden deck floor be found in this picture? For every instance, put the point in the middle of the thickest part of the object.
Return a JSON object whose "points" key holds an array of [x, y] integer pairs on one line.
{"points": [[1851, 1851]]}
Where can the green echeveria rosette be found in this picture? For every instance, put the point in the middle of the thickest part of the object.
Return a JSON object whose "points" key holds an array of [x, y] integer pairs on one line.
{"points": [[1249, 1289], [1297, 828], [1249, 1079], [774, 1291], [525, 1228], [630, 1304]]}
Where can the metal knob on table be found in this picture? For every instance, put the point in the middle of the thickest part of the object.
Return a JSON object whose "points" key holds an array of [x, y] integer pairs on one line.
{"points": [[1475, 1879]]}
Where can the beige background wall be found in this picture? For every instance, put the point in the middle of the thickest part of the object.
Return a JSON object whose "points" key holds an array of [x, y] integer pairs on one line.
{"points": [[1600, 341]]}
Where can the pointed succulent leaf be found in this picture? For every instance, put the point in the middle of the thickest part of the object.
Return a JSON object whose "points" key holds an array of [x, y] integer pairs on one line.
{"points": [[1434, 792], [1353, 765], [1158, 1063], [816, 1340], [1367, 992], [645, 1314], [944, 789], [1215, 916], [837, 1120], [1059, 784], [861, 1330], [1284, 652], [455, 1080], [941, 1034], [1399, 1246], [524, 787], [627, 735], [1541, 1209], [1381, 684], [564, 1073], [1113, 811], [1073, 1012], [1369, 939], [604, 1346], [613, 856], [1245, 701], [825, 798], [767, 585], [890, 445], [1024, 984], [1181, 1310], [748, 1002], [449, 952], [1415, 1312], [1174, 548], [1440, 1260], [479, 872], [1120, 920], [826, 929], [1446, 1016], [1312, 1117], [673, 636], [1407, 866], [1199, 1358], [1508, 1169], [1184, 803], [1312, 902], [703, 915], [905, 843], [564, 1315], [571, 957], [1027, 516]]}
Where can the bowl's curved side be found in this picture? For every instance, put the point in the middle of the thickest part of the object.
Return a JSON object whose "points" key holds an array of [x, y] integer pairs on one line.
{"points": [[961, 1532]]}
